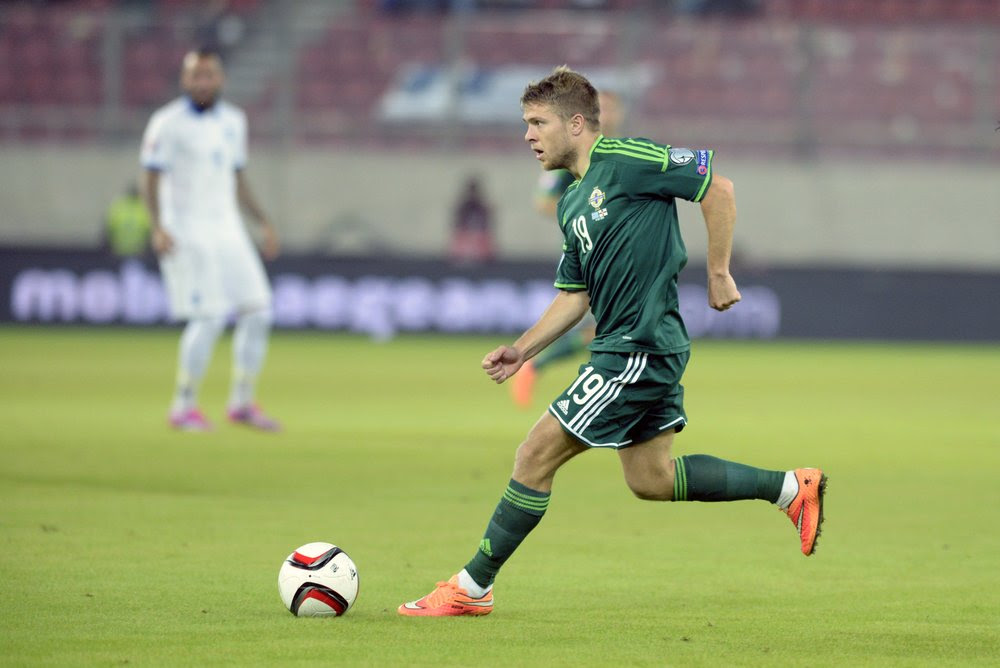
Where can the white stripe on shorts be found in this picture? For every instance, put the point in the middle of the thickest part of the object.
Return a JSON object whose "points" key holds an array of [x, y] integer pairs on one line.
{"points": [[556, 415], [633, 377], [603, 391], [673, 423]]}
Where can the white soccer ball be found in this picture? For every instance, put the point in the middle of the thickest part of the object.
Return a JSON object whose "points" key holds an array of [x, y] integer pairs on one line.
{"points": [[318, 580]]}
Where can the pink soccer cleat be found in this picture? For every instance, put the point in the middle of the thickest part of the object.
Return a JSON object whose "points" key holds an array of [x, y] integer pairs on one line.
{"points": [[252, 416], [191, 419]]}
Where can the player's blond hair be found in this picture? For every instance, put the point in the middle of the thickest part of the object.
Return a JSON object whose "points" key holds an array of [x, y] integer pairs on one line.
{"points": [[568, 93]]}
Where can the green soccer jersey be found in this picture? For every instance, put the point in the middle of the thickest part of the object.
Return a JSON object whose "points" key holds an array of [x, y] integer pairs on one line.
{"points": [[623, 243]]}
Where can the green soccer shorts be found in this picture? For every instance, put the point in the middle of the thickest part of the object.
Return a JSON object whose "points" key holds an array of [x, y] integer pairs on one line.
{"points": [[620, 399]]}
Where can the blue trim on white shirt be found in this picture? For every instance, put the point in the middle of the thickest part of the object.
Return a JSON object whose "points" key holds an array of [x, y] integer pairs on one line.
{"points": [[193, 108]]}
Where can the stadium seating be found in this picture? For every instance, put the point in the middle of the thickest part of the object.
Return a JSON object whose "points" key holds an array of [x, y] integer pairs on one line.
{"points": [[800, 75]]}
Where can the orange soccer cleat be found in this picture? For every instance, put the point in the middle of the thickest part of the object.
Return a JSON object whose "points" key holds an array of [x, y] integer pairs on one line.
{"points": [[448, 600], [806, 509], [522, 387]]}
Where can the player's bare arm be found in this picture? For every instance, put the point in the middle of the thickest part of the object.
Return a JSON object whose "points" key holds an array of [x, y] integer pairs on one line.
{"points": [[270, 246], [162, 241], [718, 207], [561, 315]]}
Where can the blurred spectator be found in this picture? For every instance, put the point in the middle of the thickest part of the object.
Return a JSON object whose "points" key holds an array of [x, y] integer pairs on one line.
{"points": [[414, 5], [405, 6], [219, 29], [472, 235], [126, 225], [719, 7]]}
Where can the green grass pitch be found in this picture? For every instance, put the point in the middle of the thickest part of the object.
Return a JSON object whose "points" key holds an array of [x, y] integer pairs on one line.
{"points": [[125, 543]]}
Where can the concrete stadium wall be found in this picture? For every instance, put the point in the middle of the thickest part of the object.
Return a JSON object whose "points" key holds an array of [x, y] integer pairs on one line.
{"points": [[933, 214]]}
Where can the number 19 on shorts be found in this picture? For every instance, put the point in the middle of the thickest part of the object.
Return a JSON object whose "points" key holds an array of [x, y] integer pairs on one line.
{"points": [[588, 384]]}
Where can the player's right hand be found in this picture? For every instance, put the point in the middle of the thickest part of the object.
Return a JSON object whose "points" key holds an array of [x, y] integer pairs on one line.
{"points": [[162, 242], [722, 292], [502, 363]]}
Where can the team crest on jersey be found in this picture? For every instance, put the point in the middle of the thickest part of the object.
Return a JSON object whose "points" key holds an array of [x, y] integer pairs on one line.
{"points": [[596, 198]]}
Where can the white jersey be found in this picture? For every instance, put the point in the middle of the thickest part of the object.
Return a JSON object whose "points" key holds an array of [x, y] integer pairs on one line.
{"points": [[213, 268], [197, 154]]}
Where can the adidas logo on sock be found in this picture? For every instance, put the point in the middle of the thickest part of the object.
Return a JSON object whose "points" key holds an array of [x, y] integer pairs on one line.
{"points": [[563, 406], [485, 547]]}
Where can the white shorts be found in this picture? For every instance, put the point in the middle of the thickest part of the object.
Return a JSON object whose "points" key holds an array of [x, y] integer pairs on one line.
{"points": [[211, 278]]}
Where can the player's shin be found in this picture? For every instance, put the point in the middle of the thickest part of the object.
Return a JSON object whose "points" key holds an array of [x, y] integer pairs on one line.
{"points": [[250, 339], [519, 511], [196, 346]]}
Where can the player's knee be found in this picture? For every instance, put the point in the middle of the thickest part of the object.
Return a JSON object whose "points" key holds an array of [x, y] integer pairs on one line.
{"points": [[650, 479], [529, 457], [650, 490], [652, 483], [206, 326], [259, 317], [535, 464]]}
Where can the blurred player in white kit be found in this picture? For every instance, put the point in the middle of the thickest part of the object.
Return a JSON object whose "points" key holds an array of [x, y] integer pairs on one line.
{"points": [[194, 152]]}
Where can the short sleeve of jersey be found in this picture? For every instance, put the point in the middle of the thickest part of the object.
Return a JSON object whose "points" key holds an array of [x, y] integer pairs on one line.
{"points": [[664, 171], [157, 150], [686, 173], [569, 274]]}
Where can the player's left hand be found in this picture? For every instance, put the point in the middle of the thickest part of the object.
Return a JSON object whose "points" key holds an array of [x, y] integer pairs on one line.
{"points": [[270, 246], [722, 292], [502, 363]]}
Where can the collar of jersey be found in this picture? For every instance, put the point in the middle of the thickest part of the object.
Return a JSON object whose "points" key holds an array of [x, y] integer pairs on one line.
{"points": [[590, 154], [193, 108]]}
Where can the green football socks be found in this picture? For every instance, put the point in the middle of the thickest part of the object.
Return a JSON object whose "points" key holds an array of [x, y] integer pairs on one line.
{"points": [[519, 511], [696, 478], [566, 345], [706, 478]]}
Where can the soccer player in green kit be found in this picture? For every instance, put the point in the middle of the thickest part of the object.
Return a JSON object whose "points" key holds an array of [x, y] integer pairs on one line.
{"points": [[551, 186], [622, 252]]}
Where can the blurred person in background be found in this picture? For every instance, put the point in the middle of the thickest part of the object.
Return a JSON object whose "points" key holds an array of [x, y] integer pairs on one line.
{"points": [[194, 154], [126, 224], [472, 232], [551, 186], [219, 29], [740, 8], [622, 253]]}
